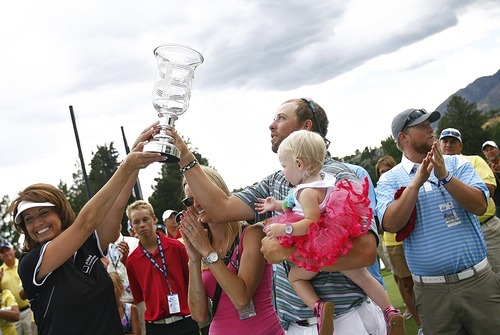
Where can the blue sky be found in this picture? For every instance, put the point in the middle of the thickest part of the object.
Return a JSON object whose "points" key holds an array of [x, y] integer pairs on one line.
{"points": [[363, 61]]}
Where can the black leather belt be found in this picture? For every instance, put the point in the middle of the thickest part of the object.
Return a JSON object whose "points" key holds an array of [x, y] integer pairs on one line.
{"points": [[167, 321], [24, 308], [307, 323]]}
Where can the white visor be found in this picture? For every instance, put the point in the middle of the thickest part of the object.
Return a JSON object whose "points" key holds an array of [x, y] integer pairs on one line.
{"points": [[24, 205]]}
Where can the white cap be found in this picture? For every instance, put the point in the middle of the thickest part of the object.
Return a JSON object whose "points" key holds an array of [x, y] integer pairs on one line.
{"points": [[24, 205], [492, 143], [168, 213], [451, 132]]}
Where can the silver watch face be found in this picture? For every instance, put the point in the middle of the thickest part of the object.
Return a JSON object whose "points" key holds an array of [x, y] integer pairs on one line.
{"points": [[212, 258], [288, 229]]}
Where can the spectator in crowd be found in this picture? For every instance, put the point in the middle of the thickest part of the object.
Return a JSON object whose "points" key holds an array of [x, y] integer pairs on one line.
{"points": [[129, 314], [9, 313], [382, 251], [160, 228], [172, 226], [10, 280], [116, 261], [162, 288], [355, 314], [226, 266], [400, 270], [431, 201], [490, 151], [69, 290], [451, 144], [131, 232]]}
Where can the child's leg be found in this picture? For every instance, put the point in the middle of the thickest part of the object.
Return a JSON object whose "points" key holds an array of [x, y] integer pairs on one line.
{"points": [[370, 285], [392, 316], [300, 281]]}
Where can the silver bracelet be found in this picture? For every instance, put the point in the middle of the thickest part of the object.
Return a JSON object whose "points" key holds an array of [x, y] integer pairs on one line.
{"points": [[189, 166]]}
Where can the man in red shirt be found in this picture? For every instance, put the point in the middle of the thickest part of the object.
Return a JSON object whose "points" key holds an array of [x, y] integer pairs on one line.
{"points": [[158, 274], [169, 222]]}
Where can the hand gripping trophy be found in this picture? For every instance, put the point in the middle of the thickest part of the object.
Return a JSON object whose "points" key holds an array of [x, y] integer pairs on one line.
{"points": [[171, 93]]}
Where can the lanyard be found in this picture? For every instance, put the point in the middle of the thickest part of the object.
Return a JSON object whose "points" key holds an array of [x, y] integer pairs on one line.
{"points": [[229, 254], [438, 185], [162, 256], [237, 264], [114, 255]]}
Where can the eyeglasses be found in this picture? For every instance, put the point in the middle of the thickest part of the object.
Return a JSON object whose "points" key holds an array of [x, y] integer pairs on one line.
{"points": [[452, 133], [413, 115], [188, 202], [313, 110]]}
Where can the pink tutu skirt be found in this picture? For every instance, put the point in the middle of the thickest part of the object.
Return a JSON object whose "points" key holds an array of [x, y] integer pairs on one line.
{"points": [[347, 215]]}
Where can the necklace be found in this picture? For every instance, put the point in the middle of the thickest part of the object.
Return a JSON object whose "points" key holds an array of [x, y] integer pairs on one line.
{"points": [[219, 249]]}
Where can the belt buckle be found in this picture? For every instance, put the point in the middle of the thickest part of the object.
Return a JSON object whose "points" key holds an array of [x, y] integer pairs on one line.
{"points": [[303, 323], [453, 278], [164, 321]]}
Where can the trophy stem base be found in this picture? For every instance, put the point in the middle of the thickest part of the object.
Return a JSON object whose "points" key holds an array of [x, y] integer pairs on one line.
{"points": [[169, 150]]}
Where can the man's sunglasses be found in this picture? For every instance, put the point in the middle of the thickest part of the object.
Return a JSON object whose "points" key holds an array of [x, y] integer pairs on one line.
{"points": [[452, 133], [413, 115]]}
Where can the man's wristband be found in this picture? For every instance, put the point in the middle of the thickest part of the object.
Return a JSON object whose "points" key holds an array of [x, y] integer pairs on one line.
{"points": [[446, 179], [189, 166]]}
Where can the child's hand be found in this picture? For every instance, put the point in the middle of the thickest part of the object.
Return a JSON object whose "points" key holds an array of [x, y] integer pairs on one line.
{"points": [[266, 205], [274, 230]]}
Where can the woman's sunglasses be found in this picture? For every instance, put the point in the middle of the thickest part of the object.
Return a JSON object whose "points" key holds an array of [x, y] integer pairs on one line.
{"points": [[188, 202]]}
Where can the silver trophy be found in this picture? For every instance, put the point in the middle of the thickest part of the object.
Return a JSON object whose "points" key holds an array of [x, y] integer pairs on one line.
{"points": [[171, 93]]}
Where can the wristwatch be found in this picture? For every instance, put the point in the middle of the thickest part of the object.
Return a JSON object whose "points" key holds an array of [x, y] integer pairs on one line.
{"points": [[211, 258], [288, 230]]}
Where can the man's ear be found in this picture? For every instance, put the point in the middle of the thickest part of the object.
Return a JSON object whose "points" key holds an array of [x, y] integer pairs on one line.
{"points": [[402, 137], [308, 125]]}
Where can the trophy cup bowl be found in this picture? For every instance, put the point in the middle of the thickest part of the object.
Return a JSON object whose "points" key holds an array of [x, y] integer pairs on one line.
{"points": [[171, 93]]}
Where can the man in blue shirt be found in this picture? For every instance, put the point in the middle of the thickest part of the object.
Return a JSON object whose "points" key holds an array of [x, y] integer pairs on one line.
{"points": [[435, 200]]}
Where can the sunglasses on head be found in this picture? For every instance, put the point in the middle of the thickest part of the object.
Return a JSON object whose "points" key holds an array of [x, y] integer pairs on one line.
{"points": [[450, 133], [188, 202], [413, 115], [313, 110]]}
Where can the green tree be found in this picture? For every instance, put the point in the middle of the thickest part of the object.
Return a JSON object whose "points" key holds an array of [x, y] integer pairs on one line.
{"points": [[103, 165], [7, 230], [76, 193], [492, 125], [167, 193], [389, 148], [465, 117]]}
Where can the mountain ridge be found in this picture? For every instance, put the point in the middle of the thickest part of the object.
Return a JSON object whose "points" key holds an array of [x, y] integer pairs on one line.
{"points": [[484, 92]]}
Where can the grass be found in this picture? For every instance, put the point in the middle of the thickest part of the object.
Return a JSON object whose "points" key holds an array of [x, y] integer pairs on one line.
{"points": [[397, 301]]}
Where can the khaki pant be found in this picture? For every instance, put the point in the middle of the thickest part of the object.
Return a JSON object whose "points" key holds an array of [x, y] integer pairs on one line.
{"points": [[491, 232], [25, 325], [470, 306]]}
